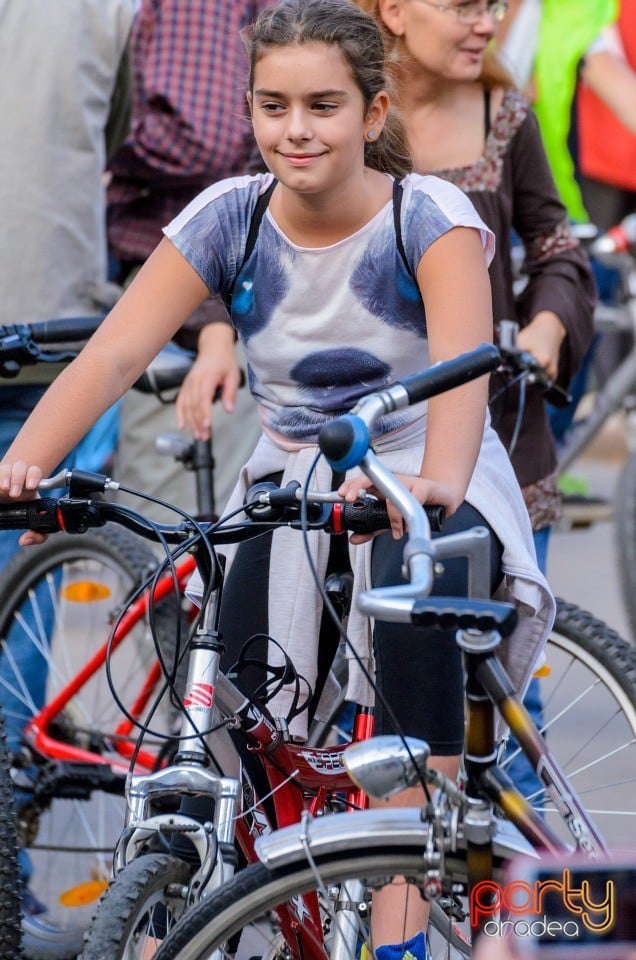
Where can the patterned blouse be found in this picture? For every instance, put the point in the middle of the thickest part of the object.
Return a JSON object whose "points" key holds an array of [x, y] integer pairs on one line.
{"points": [[512, 189]]}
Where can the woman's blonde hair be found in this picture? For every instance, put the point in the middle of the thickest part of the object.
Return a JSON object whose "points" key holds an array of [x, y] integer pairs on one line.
{"points": [[493, 73], [342, 24]]}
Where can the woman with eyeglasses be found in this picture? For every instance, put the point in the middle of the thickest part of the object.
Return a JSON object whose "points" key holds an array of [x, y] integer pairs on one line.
{"points": [[467, 123]]}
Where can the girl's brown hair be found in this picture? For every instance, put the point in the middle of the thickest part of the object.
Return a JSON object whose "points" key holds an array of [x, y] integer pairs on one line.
{"points": [[338, 23]]}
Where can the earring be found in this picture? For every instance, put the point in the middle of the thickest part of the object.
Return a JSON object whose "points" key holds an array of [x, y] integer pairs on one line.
{"points": [[394, 54], [370, 135]]}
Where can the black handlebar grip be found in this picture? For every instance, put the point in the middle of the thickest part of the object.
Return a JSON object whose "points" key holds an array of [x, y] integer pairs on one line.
{"points": [[365, 516], [369, 516], [38, 515], [452, 373], [64, 330]]}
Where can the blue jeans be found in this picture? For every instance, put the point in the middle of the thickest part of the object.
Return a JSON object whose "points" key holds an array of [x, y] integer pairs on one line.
{"points": [[524, 777], [16, 403], [23, 668]]}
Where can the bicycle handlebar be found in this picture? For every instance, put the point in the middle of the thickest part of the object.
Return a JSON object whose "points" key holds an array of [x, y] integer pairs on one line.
{"points": [[77, 515], [516, 361], [63, 330], [22, 345], [348, 438], [346, 443]]}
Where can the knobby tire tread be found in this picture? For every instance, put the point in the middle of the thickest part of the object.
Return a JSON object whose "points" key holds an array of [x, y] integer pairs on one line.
{"points": [[602, 642], [10, 909], [123, 902]]}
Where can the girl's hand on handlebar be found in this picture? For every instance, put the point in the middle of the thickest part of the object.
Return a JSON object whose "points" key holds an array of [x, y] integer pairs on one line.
{"points": [[215, 367], [424, 490], [19, 481]]}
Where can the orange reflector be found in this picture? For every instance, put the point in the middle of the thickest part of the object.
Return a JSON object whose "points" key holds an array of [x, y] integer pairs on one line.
{"points": [[543, 671], [83, 894], [85, 591]]}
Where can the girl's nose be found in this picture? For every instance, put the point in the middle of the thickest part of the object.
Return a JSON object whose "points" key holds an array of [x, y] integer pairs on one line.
{"points": [[298, 127]]}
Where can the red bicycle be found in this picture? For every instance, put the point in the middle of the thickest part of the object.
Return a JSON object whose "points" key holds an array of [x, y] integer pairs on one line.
{"points": [[72, 752]]}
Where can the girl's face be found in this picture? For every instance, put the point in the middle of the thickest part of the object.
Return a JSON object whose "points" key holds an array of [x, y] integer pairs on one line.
{"points": [[309, 117], [437, 40]]}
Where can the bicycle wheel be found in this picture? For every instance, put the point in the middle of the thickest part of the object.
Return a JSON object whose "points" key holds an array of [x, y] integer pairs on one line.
{"points": [[589, 721], [140, 907], [625, 532], [241, 919], [9, 882], [59, 602]]}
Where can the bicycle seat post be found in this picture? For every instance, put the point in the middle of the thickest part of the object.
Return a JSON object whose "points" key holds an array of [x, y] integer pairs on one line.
{"points": [[195, 455], [203, 466]]}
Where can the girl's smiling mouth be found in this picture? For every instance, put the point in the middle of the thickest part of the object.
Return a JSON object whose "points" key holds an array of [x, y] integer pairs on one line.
{"points": [[301, 159]]}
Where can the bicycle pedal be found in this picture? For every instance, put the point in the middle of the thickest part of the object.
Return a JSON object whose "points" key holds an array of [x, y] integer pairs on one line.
{"points": [[76, 781]]}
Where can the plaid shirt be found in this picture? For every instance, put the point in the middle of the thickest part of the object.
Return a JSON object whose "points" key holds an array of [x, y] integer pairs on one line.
{"points": [[189, 124]]}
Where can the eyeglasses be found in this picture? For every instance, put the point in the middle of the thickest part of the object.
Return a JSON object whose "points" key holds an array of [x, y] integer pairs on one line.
{"points": [[470, 11]]}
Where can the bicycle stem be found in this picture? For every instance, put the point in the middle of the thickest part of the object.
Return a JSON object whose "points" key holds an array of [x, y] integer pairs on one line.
{"points": [[396, 602]]}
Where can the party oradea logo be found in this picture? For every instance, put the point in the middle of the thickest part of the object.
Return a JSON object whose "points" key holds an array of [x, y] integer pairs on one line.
{"points": [[552, 908]]}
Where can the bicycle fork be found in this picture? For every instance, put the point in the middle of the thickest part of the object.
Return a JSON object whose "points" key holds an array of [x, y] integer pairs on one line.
{"points": [[191, 774]]}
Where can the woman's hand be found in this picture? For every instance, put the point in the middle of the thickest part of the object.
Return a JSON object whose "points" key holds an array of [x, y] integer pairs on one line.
{"points": [[424, 491], [19, 481], [543, 338], [215, 367]]}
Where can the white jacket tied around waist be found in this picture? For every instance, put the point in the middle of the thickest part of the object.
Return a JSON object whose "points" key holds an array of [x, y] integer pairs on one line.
{"points": [[295, 612]]}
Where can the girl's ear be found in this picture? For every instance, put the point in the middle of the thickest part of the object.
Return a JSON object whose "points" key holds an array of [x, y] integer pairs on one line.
{"points": [[391, 15], [376, 114], [250, 101]]}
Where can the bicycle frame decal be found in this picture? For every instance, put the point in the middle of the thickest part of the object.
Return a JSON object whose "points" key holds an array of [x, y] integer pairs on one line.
{"points": [[327, 763]]}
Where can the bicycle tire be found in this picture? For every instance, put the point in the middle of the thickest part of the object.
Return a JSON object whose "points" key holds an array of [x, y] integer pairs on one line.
{"points": [[10, 931], [252, 896], [589, 696], [45, 584], [127, 909], [625, 533]]}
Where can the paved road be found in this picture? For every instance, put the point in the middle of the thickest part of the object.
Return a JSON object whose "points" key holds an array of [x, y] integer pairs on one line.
{"points": [[583, 568], [582, 564]]}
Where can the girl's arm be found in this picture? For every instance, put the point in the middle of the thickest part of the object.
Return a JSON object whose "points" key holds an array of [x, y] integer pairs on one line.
{"points": [[454, 283], [164, 293], [215, 366], [455, 286]]}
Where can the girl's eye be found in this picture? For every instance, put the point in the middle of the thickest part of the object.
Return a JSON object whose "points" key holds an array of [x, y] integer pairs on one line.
{"points": [[271, 107], [323, 107]]}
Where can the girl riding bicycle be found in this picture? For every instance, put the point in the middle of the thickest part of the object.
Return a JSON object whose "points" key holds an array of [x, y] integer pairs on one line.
{"points": [[360, 273]]}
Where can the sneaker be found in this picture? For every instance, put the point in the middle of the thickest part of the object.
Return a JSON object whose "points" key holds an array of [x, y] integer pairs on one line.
{"points": [[413, 949]]}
